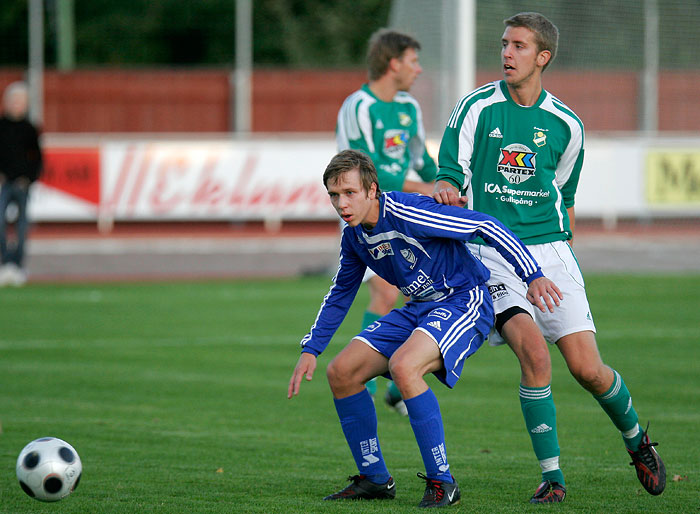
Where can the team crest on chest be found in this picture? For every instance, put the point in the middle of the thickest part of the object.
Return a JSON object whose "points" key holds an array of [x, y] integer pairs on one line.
{"points": [[407, 254], [380, 251], [404, 119], [517, 163], [540, 138]]}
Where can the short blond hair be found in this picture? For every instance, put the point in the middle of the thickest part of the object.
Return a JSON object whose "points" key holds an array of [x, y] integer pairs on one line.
{"points": [[546, 33]]}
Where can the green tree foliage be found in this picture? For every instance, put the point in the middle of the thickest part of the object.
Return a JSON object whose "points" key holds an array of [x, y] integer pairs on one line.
{"points": [[334, 33], [598, 35], [289, 33], [315, 33], [13, 32]]}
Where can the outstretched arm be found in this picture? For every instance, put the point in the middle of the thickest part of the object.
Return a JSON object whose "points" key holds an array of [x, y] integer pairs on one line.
{"points": [[542, 292], [305, 366]]}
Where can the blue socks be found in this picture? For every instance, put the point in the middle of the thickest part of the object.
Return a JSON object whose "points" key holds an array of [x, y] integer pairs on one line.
{"points": [[358, 418], [426, 421]]}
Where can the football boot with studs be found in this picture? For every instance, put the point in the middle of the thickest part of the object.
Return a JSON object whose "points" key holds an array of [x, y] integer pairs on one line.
{"points": [[363, 489]]}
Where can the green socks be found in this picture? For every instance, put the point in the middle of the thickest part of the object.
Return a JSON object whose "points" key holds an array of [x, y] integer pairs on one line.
{"points": [[617, 403], [394, 391], [541, 421], [368, 318]]}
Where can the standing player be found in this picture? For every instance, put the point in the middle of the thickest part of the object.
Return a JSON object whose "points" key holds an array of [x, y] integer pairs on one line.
{"points": [[516, 152], [20, 166], [382, 120], [417, 245]]}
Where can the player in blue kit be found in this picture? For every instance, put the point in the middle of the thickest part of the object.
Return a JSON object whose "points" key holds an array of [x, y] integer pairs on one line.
{"points": [[417, 245]]}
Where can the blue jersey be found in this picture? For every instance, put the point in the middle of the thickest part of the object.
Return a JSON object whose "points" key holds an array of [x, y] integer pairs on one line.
{"points": [[418, 246]]}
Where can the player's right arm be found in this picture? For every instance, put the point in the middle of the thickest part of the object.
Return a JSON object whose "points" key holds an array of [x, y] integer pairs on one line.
{"points": [[305, 367], [333, 310], [452, 176], [457, 147]]}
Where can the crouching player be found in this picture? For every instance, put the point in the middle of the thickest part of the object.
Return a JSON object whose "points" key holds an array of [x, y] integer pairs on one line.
{"points": [[417, 245]]}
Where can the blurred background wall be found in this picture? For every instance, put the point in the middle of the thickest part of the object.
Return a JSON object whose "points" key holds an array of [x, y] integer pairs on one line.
{"points": [[168, 65], [178, 133], [237, 71]]}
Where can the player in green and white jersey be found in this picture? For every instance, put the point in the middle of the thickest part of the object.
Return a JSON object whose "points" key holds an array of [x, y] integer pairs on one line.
{"points": [[514, 151], [391, 133], [385, 122], [526, 160]]}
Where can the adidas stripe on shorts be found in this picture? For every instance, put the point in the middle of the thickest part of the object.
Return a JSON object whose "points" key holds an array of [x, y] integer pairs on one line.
{"points": [[458, 324]]}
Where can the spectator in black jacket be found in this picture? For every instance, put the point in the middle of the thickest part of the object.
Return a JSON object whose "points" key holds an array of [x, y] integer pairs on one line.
{"points": [[20, 165]]}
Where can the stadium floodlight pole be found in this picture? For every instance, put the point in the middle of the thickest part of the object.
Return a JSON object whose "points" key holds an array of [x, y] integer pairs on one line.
{"points": [[649, 121], [465, 55], [65, 35], [244, 62], [35, 79]]}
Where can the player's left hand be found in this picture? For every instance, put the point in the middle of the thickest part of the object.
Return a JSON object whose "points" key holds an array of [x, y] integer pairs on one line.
{"points": [[305, 366], [544, 289]]}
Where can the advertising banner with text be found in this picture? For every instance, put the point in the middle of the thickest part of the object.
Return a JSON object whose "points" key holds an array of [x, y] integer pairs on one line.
{"points": [[215, 180], [280, 179]]}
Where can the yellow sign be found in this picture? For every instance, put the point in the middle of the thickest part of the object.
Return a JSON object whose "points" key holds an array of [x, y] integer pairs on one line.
{"points": [[673, 177]]}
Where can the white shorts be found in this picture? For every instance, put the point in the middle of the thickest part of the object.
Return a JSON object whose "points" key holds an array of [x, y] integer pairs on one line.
{"points": [[369, 274], [559, 264]]}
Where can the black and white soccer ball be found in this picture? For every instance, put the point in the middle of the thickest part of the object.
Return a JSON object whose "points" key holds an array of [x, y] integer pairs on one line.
{"points": [[49, 469]]}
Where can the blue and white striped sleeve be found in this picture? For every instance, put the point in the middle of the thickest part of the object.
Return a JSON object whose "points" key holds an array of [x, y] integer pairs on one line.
{"points": [[437, 220], [336, 303]]}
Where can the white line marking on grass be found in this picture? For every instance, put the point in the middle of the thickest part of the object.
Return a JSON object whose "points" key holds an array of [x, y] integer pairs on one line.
{"points": [[116, 342]]}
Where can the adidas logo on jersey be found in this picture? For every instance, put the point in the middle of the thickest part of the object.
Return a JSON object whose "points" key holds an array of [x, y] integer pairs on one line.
{"points": [[541, 429], [435, 325], [496, 133]]}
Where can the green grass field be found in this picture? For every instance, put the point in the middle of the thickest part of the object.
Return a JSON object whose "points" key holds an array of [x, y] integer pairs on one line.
{"points": [[174, 394]]}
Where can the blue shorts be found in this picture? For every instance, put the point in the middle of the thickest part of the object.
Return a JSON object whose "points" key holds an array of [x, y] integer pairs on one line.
{"points": [[458, 324]]}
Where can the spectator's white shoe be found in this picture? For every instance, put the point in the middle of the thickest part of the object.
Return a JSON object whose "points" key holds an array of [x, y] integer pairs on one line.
{"points": [[5, 275], [20, 278], [15, 275]]}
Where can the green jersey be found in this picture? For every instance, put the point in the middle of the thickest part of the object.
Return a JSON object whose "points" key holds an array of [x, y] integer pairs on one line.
{"points": [[518, 164], [391, 133]]}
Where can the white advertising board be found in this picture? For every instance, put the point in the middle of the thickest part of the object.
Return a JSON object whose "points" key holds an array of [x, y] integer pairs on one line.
{"points": [[215, 180], [280, 179]]}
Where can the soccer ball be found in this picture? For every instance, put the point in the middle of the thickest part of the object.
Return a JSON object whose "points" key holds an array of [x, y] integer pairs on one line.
{"points": [[48, 469]]}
